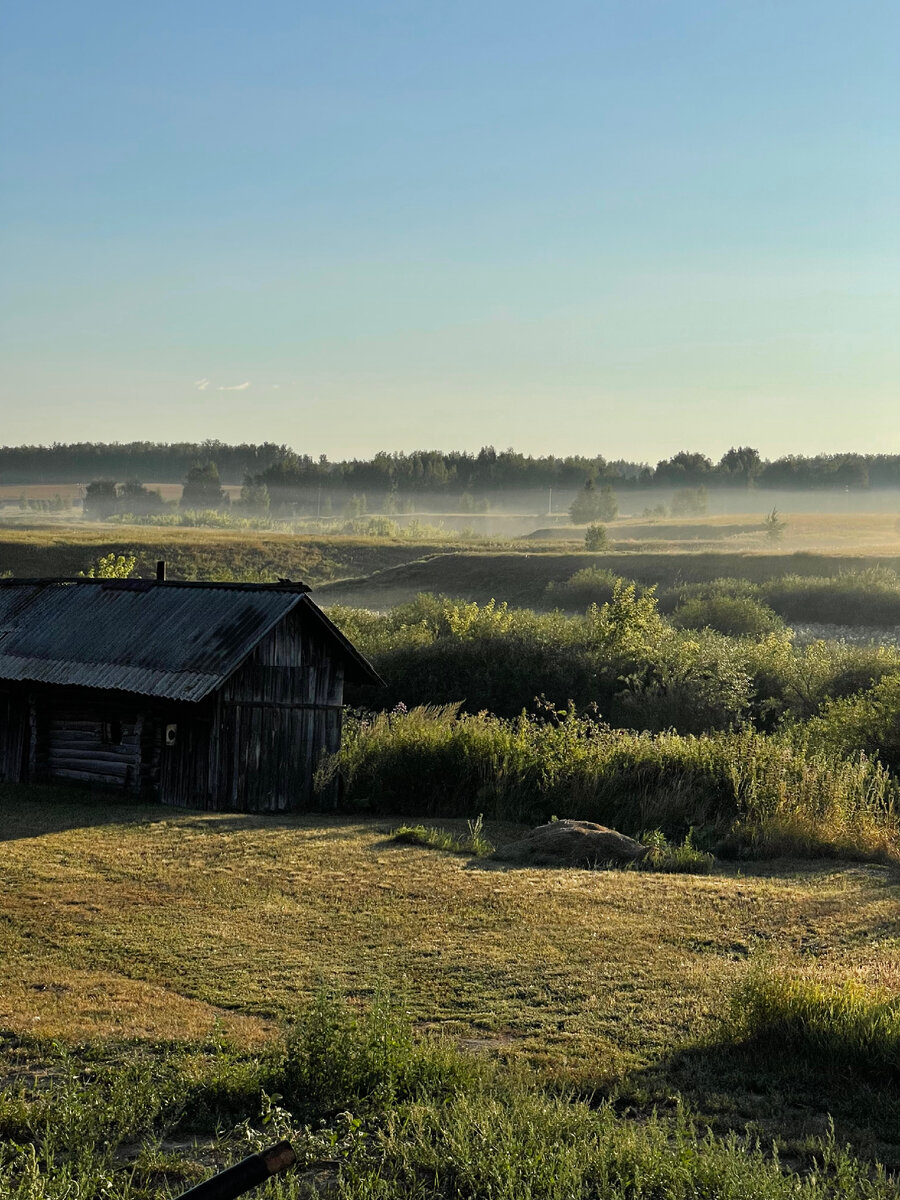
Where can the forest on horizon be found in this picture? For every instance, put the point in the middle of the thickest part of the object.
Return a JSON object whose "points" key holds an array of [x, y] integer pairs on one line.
{"points": [[281, 468]]}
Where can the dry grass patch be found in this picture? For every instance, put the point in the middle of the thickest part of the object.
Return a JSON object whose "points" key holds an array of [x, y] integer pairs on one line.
{"points": [[52, 999], [201, 914]]}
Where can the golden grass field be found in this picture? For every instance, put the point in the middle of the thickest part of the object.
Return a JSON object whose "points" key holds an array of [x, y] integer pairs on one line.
{"points": [[142, 921], [44, 549], [839, 533], [379, 572]]}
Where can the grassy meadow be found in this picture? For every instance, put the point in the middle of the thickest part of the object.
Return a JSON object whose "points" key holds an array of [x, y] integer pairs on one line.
{"points": [[365, 565], [523, 579], [64, 549], [185, 947]]}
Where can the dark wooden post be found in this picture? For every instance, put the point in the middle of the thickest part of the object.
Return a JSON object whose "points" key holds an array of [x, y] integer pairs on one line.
{"points": [[247, 1174]]}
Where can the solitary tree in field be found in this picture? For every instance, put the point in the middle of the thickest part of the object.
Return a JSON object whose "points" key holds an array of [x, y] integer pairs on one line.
{"points": [[775, 526], [203, 488], [101, 499], [595, 538]]}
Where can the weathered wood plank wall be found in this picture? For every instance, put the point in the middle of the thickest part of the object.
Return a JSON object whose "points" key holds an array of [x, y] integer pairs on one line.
{"points": [[278, 714], [14, 727]]}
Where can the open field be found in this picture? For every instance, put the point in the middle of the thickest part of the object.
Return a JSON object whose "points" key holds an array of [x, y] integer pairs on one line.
{"points": [[514, 570], [137, 922], [522, 579], [65, 549], [854, 533], [159, 964]]}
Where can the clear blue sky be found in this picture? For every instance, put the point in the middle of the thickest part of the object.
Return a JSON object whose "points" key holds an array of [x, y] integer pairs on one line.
{"points": [[624, 227]]}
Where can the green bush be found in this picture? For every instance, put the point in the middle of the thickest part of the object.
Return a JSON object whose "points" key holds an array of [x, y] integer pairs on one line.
{"points": [[621, 655], [692, 684], [735, 616], [870, 597], [868, 722], [592, 585], [674, 596], [111, 566], [595, 538]]}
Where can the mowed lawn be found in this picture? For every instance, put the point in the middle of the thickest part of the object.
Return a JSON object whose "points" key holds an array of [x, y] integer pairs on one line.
{"points": [[146, 922]]}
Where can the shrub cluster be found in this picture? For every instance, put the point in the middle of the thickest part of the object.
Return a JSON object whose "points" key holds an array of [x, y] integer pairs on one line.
{"points": [[736, 793], [866, 597], [643, 671]]}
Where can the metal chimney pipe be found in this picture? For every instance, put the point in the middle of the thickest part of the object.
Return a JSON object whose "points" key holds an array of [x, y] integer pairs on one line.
{"points": [[161, 571]]}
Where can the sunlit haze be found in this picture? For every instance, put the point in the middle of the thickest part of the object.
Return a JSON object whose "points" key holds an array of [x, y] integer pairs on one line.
{"points": [[569, 227]]}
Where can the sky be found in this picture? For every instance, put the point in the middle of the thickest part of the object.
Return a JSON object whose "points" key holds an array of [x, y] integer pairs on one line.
{"points": [[623, 228]]}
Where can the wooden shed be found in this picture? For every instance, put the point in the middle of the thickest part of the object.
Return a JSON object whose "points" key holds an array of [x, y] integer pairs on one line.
{"points": [[204, 695]]}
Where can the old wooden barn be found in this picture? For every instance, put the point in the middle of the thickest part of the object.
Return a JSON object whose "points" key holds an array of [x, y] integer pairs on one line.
{"points": [[205, 695]]}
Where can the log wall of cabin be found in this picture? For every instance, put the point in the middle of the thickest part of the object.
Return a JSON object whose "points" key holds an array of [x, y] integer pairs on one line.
{"points": [[254, 745], [94, 739], [278, 715]]}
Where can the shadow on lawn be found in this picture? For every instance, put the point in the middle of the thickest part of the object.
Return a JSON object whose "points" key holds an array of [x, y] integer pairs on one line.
{"points": [[35, 810], [783, 1100]]}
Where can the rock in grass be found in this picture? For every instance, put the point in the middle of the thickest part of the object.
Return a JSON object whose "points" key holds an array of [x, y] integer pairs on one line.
{"points": [[571, 844]]}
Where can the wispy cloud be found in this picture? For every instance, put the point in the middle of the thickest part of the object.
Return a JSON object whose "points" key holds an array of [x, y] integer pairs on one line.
{"points": [[235, 387], [201, 384]]}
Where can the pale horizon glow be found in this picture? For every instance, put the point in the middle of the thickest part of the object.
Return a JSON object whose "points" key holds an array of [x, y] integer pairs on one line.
{"points": [[571, 228]]}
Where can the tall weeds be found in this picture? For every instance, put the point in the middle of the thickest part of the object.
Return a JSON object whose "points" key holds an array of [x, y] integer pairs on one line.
{"points": [[378, 1112], [740, 790], [832, 1025]]}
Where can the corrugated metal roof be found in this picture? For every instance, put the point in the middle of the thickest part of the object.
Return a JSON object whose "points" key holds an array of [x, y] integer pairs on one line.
{"points": [[177, 641]]}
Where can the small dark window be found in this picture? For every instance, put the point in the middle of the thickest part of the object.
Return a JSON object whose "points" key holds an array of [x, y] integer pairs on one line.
{"points": [[112, 733]]}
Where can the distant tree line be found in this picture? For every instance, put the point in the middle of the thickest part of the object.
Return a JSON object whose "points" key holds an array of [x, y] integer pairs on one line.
{"points": [[282, 470], [494, 470], [158, 462]]}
